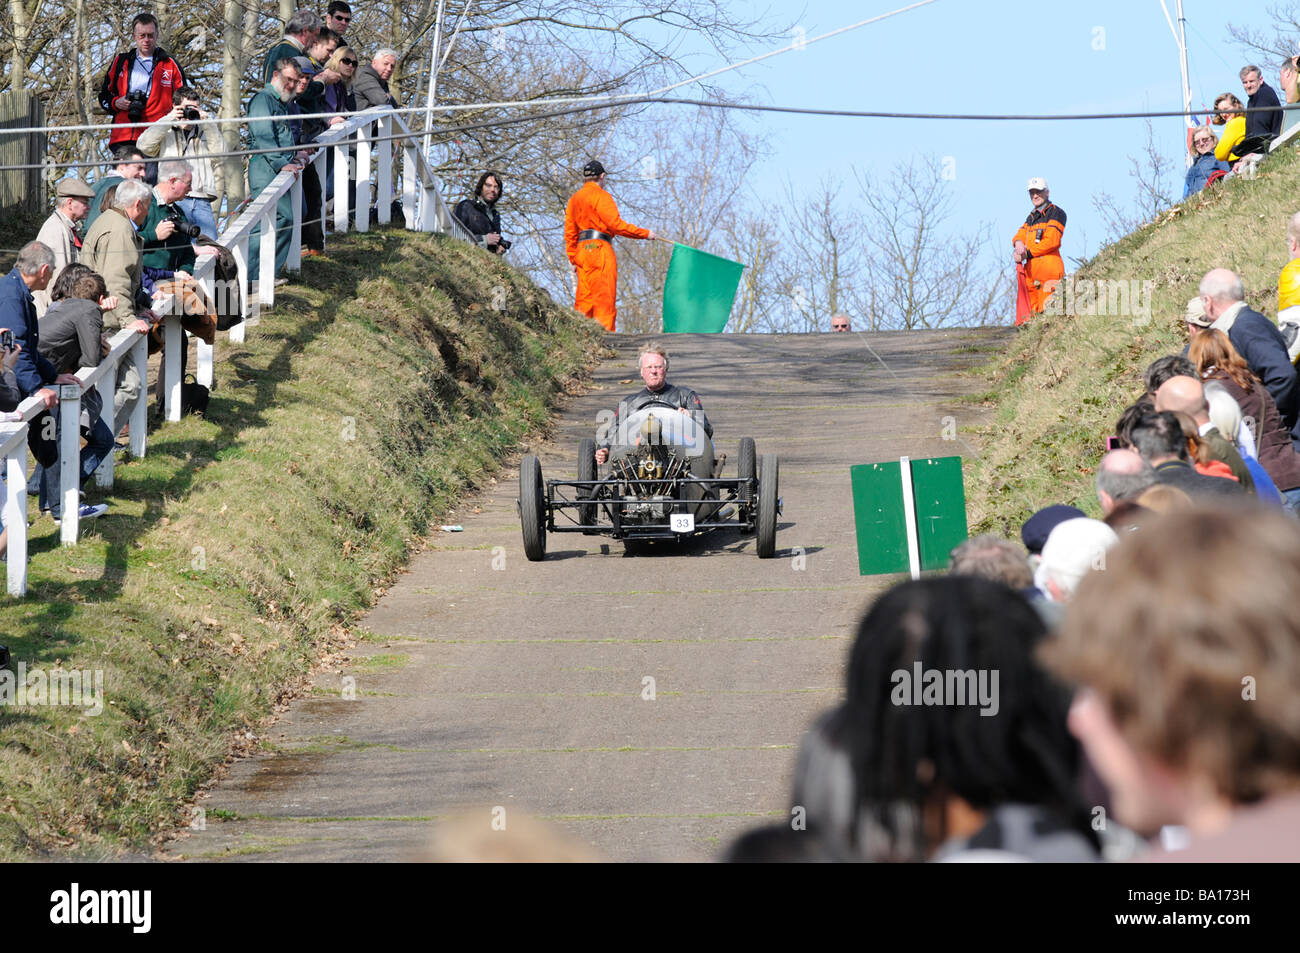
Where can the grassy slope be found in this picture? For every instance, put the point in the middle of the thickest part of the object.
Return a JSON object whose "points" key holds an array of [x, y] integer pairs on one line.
{"points": [[239, 549], [1063, 383]]}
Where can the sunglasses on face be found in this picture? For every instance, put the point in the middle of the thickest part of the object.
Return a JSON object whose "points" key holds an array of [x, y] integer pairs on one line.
{"points": [[348, 62]]}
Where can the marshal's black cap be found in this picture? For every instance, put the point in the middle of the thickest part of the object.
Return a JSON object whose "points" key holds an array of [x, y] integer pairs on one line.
{"points": [[593, 170]]}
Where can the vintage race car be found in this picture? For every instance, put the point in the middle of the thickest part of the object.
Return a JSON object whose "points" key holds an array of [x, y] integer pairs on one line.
{"points": [[661, 482]]}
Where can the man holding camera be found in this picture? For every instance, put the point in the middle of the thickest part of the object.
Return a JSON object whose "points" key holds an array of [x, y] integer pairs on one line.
{"points": [[171, 253], [181, 134], [139, 84], [479, 214]]}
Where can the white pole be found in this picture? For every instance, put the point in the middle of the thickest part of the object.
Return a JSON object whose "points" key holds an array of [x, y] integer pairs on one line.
{"points": [[909, 518], [433, 78], [1182, 62]]}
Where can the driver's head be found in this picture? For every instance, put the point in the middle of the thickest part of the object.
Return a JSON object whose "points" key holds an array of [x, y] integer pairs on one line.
{"points": [[654, 367]]}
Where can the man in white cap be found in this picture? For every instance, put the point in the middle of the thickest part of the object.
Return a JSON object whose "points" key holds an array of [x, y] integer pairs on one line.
{"points": [[1037, 252], [59, 232], [1074, 548]]}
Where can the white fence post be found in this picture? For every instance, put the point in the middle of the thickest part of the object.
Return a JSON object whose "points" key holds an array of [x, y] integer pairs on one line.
{"points": [[410, 173], [107, 387], [139, 421], [294, 262], [322, 176], [69, 412], [240, 251], [266, 258], [342, 175], [363, 180], [171, 366], [384, 196], [203, 350], [16, 513]]}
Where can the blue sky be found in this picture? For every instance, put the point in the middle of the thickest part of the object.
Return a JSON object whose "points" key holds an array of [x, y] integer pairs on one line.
{"points": [[993, 57]]}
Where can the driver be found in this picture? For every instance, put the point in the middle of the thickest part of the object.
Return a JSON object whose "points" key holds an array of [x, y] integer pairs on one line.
{"points": [[653, 362]]}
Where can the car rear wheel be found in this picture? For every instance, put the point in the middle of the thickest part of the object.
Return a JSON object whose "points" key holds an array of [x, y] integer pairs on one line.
{"points": [[586, 471], [532, 508], [768, 489]]}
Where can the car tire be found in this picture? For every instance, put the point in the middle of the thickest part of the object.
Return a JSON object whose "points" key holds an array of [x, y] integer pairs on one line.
{"points": [[532, 508], [746, 469], [586, 471], [768, 490]]}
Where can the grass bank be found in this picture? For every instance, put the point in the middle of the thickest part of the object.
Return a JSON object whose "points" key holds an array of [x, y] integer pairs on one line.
{"points": [[238, 551], [1062, 383]]}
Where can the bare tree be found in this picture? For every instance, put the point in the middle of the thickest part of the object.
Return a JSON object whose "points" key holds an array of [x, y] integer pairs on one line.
{"points": [[1274, 42], [1150, 173], [920, 273], [819, 263]]}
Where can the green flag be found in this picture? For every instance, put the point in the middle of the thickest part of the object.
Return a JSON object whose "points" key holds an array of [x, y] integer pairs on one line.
{"points": [[699, 291]]}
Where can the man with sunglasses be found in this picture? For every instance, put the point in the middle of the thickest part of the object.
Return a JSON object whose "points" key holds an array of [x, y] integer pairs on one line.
{"points": [[1204, 164], [338, 17]]}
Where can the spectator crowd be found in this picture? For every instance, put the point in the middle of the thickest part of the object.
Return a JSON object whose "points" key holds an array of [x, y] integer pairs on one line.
{"points": [[115, 245], [1143, 666], [1248, 131]]}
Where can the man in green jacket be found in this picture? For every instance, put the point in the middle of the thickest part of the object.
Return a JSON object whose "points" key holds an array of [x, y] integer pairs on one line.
{"points": [[300, 34], [173, 250], [266, 106]]}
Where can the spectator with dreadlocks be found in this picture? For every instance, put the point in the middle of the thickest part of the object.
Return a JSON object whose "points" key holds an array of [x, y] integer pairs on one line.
{"points": [[926, 759]]}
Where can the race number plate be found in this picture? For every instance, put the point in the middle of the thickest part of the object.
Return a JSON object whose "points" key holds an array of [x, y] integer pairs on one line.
{"points": [[683, 522]]}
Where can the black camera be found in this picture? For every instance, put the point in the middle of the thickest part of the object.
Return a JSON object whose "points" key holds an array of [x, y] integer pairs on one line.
{"points": [[184, 226], [135, 105], [503, 244], [191, 114], [6, 340]]}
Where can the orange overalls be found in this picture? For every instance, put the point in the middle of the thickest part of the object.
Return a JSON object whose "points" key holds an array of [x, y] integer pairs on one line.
{"points": [[1042, 234], [591, 207]]}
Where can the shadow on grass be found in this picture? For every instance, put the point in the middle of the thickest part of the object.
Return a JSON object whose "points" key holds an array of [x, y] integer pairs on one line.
{"points": [[50, 603]]}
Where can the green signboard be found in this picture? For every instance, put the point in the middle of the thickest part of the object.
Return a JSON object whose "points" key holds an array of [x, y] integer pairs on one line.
{"points": [[881, 518]]}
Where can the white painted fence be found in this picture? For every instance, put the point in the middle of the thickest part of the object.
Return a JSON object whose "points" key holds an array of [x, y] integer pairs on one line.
{"points": [[422, 206]]}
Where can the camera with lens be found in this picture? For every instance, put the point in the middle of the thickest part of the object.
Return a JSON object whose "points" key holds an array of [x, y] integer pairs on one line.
{"points": [[136, 100], [503, 244], [184, 226], [191, 114]]}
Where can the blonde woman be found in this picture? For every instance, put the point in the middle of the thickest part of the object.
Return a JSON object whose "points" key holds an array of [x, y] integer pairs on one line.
{"points": [[339, 99], [1230, 115]]}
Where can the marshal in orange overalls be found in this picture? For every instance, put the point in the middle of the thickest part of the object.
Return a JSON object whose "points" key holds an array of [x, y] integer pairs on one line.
{"points": [[591, 207], [1042, 233]]}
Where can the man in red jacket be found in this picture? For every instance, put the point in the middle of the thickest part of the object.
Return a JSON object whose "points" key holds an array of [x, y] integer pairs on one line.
{"points": [[139, 83]]}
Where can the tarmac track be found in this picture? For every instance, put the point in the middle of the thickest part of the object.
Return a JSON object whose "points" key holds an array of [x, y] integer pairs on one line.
{"points": [[522, 687]]}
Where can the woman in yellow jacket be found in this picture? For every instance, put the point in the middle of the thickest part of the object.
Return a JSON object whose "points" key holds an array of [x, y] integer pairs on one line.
{"points": [[1234, 127]]}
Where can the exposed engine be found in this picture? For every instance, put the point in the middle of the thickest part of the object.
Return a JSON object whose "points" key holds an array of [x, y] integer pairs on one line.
{"points": [[648, 474]]}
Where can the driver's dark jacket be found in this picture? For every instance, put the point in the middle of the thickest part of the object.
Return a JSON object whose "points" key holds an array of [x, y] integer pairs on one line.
{"points": [[668, 394]]}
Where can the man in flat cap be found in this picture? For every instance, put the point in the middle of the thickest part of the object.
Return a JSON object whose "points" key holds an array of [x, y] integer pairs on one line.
{"points": [[59, 233], [591, 221]]}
